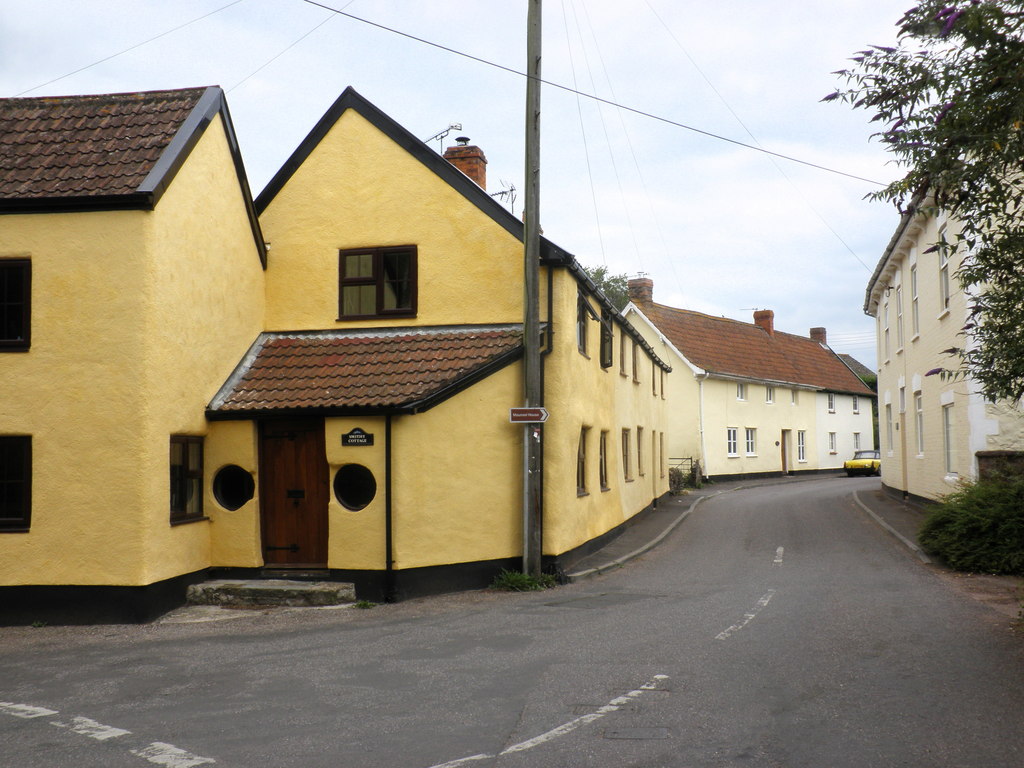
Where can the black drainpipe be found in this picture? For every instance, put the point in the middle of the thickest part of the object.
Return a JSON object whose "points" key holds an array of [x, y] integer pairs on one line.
{"points": [[389, 571]]}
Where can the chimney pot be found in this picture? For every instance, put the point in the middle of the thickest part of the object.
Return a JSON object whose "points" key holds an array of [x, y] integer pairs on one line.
{"points": [[819, 335], [469, 159], [765, 319], [641, 290]]}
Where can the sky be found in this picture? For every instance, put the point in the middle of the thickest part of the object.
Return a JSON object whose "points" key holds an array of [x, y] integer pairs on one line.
{"points": [[651, 181]]}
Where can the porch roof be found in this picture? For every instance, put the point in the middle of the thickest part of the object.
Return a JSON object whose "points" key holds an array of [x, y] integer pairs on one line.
{"points": [[379, 370]]}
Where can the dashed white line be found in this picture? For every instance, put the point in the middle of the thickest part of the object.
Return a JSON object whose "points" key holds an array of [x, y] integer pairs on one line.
{"points": [[778, 556], [157, 752], [612, 706], [24, 710], [91, 728], [170, 756], [747, 617]]}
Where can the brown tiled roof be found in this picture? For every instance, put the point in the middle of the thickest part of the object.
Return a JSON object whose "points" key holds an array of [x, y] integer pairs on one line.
{"points": [[87, 146], [857, 366], [384, 370], [731, 348]]}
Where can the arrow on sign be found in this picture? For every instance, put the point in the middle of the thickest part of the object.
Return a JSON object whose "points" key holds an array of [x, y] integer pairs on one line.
{"points": [[527, 415]]}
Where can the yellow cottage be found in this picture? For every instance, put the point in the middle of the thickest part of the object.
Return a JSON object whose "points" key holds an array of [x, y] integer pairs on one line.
{"points": [[323, 391]]}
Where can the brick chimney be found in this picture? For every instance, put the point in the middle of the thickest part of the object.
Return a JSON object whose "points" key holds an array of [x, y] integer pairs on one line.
{"points": [[765, 318], [468, 159], [818, 335], [641, 290]]}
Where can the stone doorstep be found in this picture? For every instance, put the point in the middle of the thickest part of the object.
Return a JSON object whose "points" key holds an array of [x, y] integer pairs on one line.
{"points": [[258, 592]]}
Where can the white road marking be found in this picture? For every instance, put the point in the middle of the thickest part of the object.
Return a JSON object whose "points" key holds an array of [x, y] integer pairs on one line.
{"points": [[157, 752], [91, 728], [24, 710], [612, 706], [170, 756], [778, 556], [747, 617]]}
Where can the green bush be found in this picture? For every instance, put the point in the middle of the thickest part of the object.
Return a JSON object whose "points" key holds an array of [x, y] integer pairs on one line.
{"points": [[516, 581], [979, 528]]}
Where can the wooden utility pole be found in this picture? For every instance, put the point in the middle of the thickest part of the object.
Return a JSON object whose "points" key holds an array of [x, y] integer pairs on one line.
{"points": [[533, 433]]}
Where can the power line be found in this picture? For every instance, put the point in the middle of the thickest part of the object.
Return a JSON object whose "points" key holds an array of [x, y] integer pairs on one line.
{"points": [[126, 50], [591, 96]]}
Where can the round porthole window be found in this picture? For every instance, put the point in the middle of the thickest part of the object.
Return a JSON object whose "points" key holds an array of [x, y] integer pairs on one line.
{"points": [[233, 486], [354, 486]]}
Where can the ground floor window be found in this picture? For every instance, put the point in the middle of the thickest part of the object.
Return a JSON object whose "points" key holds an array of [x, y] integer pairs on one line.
{"points": [[581, 463], [948, 438], [801, 445], [856, 441], [627, 464], [751, 441], [186, 478], [730, 441], [15, 482], [603, 460], [640, 451], [831, 442]]}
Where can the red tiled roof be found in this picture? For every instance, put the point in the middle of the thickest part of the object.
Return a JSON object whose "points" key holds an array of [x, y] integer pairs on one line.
{"points": [[382, 369], [86, 146], [729, 347]]}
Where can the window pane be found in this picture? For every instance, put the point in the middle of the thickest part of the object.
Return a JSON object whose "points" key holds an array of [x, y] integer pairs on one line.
{"points": [[397, 285], [358, 300], [358, 265]]}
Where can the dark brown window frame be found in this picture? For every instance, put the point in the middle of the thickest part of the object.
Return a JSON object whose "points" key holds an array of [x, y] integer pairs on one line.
{"points": [[22, 343], [20, 522], [377, 279], [178, 517], [607, 339]]}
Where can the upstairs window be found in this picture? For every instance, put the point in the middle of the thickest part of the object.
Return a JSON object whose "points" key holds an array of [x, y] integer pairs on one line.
{"points": [[831, 402], [377, 282], [856, 404], [15, 302], [15, 483], [607, 339], [582, 311], [741, 391], [769, 393]]}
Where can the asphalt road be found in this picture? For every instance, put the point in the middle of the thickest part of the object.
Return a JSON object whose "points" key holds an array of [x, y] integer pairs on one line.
{"points": [[778, 626]]}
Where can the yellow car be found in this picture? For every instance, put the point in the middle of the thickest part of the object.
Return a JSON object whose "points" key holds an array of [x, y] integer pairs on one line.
{"points": [[863, 463]]}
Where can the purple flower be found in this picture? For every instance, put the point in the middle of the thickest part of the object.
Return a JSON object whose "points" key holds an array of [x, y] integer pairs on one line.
{"points": [[934, 372], [950, 21], [945, 12]]}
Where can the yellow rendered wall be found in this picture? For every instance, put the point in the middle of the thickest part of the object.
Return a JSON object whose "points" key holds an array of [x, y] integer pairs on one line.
{"points": [[203, 309], [722, 410], [356, 537], [579, 393], [359, 189], [682, 420], [137, 319], [78, 392], [458, 477], [234, 534], [914, 459]]}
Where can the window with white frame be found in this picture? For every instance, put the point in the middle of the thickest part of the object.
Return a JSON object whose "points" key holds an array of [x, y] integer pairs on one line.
{"points": [[919, 422], [801, 445], [943, 271], [948, 437], [831, 402], [915, 313], [769, 393], [751, 435], [856, 441], [888, 426], [832, 442], [741, 390], [899, 317], [856, 404], [731, 447], [885, 326], [793, 397]]}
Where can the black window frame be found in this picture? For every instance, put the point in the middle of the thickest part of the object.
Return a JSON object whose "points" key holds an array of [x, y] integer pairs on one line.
{"points": [[22, 520], [377, 279], [22, 269], [178, 487]]}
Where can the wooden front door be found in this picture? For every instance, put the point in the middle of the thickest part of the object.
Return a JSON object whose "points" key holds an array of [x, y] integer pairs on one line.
{"points": [[293, 493]]}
